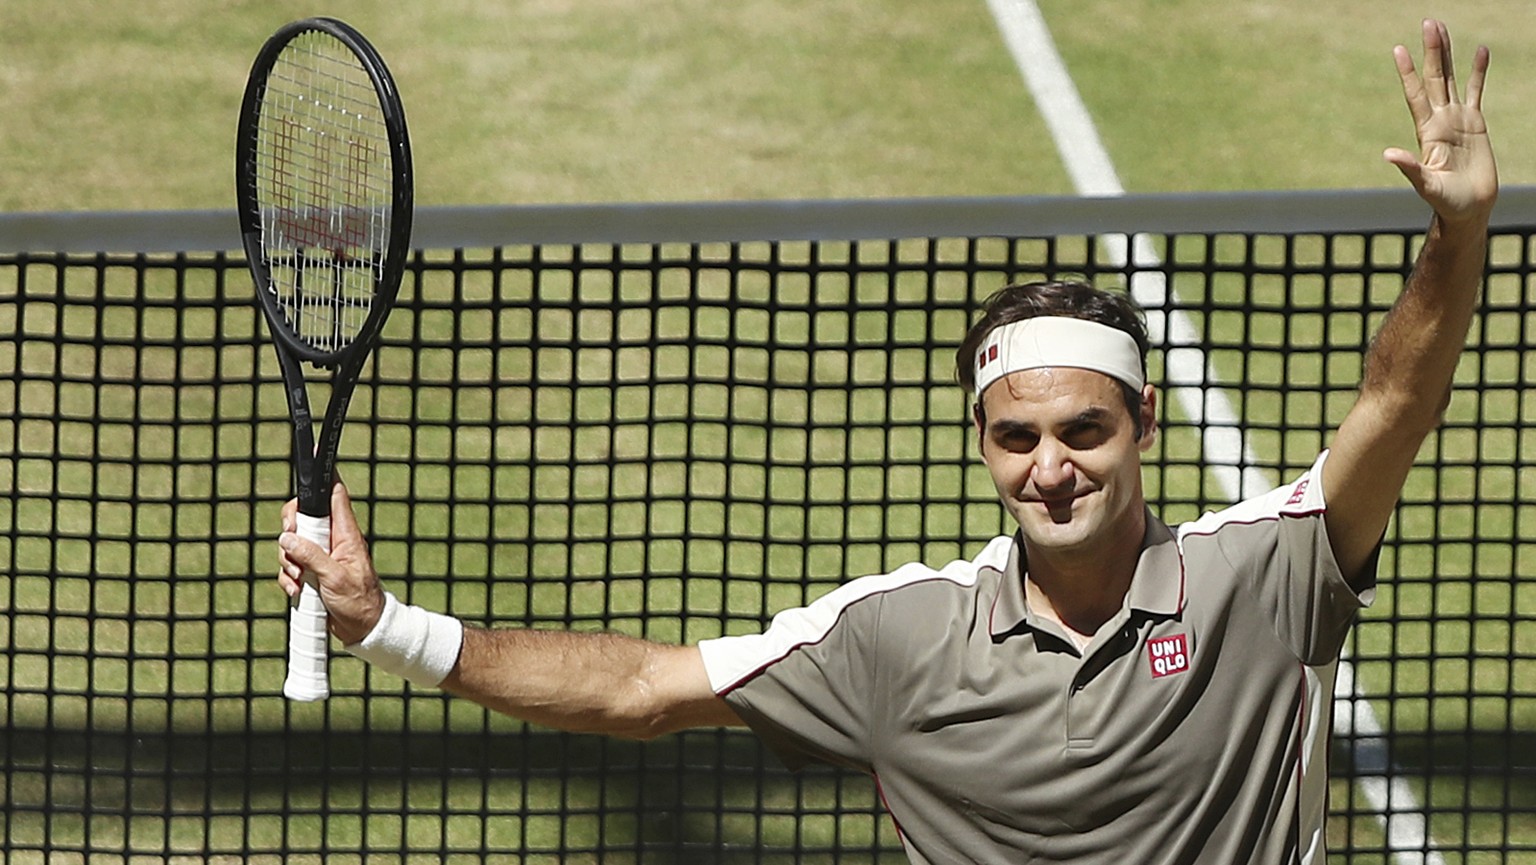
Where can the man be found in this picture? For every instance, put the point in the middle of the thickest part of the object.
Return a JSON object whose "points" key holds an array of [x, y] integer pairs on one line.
{"points": [[1097, 688]]}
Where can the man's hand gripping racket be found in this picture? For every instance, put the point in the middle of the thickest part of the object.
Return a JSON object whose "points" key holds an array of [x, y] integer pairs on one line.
{"points": [[349, 586]]}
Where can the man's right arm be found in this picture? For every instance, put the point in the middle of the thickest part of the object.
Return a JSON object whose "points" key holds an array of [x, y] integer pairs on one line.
{"points": [[578, 682], [588, 683]]}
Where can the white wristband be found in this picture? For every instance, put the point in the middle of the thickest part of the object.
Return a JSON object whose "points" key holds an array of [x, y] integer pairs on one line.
{"points": [[417, 645]]}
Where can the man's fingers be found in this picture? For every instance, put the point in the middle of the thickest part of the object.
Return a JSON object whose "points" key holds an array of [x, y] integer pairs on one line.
{"points": [[1479, 75], [305, 554], [299, 548], [1447, 63], [343, 518], [289, 572], [297, 554], [289, 582], [1434, 63], [1400, 157], [1408, 164], [1413, 87]]}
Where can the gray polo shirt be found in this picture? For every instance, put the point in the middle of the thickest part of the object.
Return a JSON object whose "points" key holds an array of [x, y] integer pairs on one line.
{"points": [[1192, 729]]}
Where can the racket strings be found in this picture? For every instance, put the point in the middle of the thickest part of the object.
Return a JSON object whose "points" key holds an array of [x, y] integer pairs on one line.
{"points": [[324, 186]]}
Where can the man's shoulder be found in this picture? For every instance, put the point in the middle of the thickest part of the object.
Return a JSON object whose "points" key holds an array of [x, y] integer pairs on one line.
{"points": [[921, 597], [1299, 498], [925, 592]]}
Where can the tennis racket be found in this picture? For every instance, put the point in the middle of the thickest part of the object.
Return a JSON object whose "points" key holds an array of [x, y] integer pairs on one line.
{"points": [[323, 173]]}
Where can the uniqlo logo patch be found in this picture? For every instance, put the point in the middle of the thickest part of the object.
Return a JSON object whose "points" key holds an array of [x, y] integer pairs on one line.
{"points": [[1299, 493], [1168, 655]]}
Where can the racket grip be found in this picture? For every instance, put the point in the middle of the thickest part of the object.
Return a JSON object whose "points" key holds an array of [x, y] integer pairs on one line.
{"points": [[308, 640]]}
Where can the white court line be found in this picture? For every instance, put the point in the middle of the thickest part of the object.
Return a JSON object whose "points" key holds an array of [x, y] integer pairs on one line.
{"points": [[1187, 372]]}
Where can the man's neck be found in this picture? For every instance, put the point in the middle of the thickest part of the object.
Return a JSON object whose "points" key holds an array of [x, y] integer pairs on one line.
{"points": [[1081, 590]]}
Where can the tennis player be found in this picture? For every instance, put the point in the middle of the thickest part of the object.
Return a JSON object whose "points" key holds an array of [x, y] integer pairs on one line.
{"points": [[1097, 688]]}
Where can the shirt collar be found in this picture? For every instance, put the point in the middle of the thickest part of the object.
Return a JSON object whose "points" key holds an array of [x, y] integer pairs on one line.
{"points": [[1157, 587]]}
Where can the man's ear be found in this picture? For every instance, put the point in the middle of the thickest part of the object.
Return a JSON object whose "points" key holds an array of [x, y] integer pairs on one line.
{"points": [[1148, 418], [979, 423], [978, 417]]}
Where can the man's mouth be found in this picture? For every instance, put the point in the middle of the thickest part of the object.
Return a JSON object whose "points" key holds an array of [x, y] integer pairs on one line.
{"points": [[1059, 506]]}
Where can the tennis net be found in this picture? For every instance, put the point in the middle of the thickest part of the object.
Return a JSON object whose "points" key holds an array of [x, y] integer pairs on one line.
{"points": [[672, 421]]}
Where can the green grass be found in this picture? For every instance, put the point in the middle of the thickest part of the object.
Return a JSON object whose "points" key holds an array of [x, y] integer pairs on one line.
{"points": [[133, 106], [539, 102], [1201, 95]]}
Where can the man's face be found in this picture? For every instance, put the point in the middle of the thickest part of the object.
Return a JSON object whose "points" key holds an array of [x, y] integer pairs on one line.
{"points": [[1063, 452]]}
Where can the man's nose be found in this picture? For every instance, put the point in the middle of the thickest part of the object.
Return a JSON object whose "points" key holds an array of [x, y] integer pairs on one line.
{"points": [[1053, 469]]}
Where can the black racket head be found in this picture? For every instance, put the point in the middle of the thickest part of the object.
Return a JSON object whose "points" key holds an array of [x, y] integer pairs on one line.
{"points": [[324, 188]]}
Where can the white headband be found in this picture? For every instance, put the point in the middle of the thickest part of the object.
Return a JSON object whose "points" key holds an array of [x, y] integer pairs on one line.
{"points": [[1046, 341]]}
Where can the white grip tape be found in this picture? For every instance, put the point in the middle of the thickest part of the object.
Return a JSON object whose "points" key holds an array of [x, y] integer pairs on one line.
{"points": [[308, 641], [415, 644]]}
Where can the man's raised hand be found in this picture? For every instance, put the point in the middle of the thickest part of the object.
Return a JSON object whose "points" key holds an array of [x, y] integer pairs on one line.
{"points": [[1454, 170]]}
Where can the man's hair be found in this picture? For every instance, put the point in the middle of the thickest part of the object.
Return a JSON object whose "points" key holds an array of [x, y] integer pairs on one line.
{"points": [[1066, 298]]}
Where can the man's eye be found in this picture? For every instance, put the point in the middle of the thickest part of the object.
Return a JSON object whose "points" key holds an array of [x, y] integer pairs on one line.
{"points": [[1020, 440], [1086, 435]]}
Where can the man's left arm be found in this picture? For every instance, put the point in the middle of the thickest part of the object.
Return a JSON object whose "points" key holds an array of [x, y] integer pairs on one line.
{"points": [[1412, 359]]}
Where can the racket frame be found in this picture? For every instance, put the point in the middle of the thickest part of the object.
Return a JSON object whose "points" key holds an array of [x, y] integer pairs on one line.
{"points": [[314, 457]]}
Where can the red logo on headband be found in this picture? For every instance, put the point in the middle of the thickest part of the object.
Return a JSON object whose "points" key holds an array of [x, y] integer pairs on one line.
{"points": [[987, 355]]}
